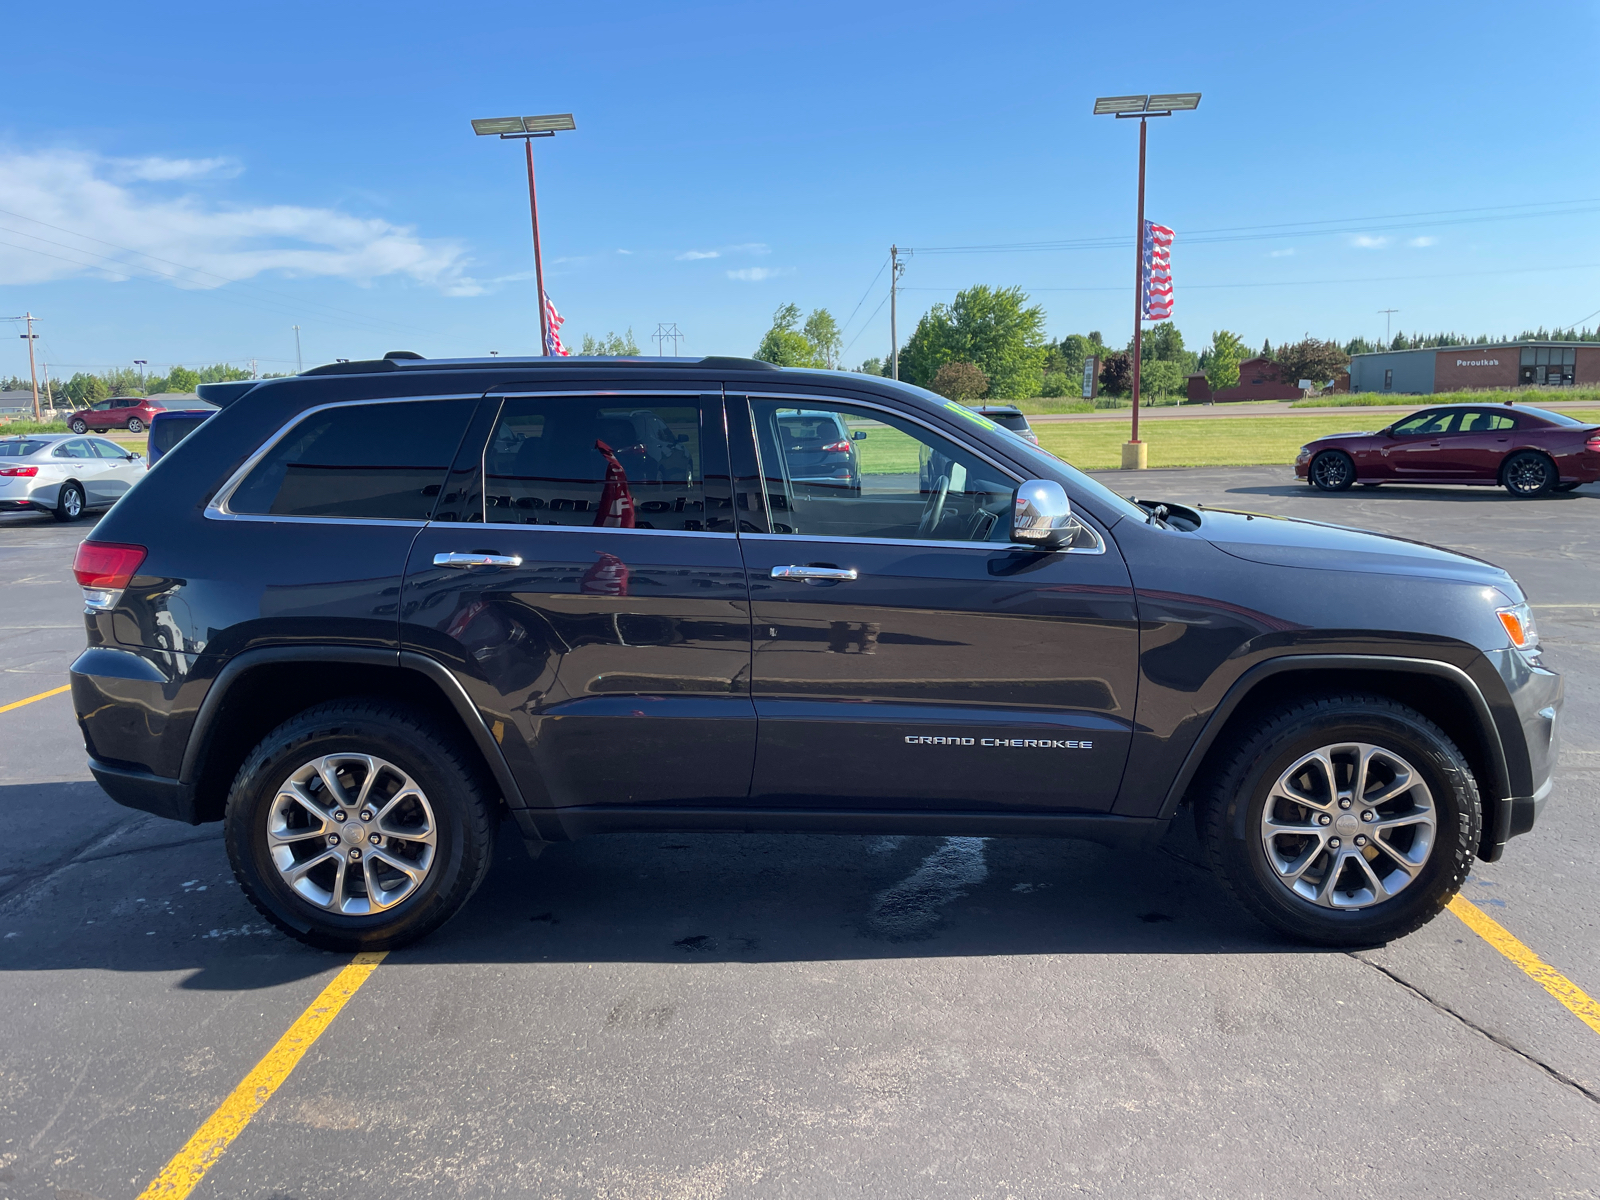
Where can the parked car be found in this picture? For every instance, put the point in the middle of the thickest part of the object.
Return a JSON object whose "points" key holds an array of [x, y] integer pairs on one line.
{"points": [[1008, 417], [1528, 451], [389, 606], [169, 428], [64, 475], [818, 448], [132, 413]]}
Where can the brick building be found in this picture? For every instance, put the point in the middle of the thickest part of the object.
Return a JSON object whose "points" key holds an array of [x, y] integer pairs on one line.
{"points": [[1455, 368]]}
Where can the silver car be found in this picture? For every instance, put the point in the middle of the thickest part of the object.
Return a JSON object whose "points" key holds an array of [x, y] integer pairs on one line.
{"points": [[64, 474]]}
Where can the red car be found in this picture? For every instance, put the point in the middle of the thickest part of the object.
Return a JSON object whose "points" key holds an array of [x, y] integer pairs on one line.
{"points": [[132, 413], [1527, 451]]}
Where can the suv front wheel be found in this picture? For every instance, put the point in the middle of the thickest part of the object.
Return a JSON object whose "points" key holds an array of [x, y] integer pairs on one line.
{"points": [[358, 825], [1345, 821]]}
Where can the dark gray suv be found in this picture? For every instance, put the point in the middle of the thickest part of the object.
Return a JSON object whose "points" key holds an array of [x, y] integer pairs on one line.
{"points": [[369, 615]]}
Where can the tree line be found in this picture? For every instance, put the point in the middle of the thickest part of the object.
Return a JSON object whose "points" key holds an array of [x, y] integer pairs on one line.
{"points": [[991, 344], [85, 387]]}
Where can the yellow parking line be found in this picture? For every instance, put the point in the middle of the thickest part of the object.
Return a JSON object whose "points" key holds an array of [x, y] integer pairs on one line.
{"points": [[31, 699], [1541, 972], [189, 1166]]}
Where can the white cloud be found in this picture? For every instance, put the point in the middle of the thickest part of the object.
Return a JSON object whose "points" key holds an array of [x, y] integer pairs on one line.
{"points": [[696, 255], [624, 251], [757, 274], [121, 201], [1282, 253], [1367, 242], [742, 248], [1419, 242]]}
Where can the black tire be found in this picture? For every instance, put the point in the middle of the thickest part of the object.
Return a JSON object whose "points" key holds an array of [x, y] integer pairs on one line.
{"points": [[1528, 473], [78, 425], [135, 425], [1231, 816], [463, 808], [69, 503], [1332, 471]]}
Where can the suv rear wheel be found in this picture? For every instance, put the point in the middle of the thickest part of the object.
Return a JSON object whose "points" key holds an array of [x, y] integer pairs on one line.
{"points": [[1345, 821], [135, 425], [358, 826]]}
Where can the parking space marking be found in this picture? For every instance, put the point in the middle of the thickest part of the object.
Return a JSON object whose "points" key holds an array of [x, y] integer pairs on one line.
{"points": [[40, 696], [211, 1141], [1541, 972]]}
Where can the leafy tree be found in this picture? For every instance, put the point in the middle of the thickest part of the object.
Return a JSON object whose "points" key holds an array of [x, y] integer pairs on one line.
{"points": [[1310, 359], [84, 390], [1222, 360], [785, 345], [1074, 350], [822, 331], [1266, 348], [1399, 342], [222, 373], [1116, 374], [179, 379], [1161, 378], [960, 381], [993, 328], [873, 366], [610, 346]]}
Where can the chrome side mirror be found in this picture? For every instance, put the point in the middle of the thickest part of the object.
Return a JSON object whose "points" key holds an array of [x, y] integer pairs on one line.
{"points": [[1042, 516]]}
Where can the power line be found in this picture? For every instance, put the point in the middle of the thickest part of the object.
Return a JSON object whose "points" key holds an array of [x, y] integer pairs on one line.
{"points": [[864, 296], [868, 325]]}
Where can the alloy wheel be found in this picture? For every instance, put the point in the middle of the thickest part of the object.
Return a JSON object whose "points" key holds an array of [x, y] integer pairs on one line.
{"points": [[1527, 474], [72, 503], [352, 834], [1348, 826], [1332, 472]]}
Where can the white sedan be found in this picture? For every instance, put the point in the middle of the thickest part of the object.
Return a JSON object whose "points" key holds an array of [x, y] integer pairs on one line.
{"points": [[64, 474]]}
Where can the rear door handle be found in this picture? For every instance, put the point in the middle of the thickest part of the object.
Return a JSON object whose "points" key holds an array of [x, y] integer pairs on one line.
{"points": [[830, 574], [455, 558]]}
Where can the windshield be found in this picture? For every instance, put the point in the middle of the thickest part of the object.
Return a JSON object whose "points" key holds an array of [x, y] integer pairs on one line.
{"points": [[1555, 418], [16, 448], [1116, 503]]}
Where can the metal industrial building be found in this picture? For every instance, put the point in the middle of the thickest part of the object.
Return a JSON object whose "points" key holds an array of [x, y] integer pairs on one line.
{"points": [[1456, 368]]}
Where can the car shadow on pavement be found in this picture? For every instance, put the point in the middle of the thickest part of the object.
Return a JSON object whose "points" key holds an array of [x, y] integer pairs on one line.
{"points": [[171, 906], [1401, 491]]}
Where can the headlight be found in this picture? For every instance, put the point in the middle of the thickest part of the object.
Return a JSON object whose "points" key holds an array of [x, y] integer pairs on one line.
{"points": [[1305, 453], [1519, 626]]}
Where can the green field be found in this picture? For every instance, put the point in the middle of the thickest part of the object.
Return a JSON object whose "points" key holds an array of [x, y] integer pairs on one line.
{"points": [[1209, 441], [1532, 396]]}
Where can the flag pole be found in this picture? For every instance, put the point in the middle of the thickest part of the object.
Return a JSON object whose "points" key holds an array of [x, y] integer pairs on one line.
{"points": [[538, 263], [1138, 289]]}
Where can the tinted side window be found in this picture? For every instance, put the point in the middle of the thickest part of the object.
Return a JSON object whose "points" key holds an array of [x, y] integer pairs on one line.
{"points": [[618, 462], [76, 448], [834, 471], [1426, 423], [1484, 422], [107, 449], [358, 460]]}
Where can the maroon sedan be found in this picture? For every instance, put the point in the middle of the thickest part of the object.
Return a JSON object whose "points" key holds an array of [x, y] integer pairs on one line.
{"points": [[132, 413], [1527, 451]]}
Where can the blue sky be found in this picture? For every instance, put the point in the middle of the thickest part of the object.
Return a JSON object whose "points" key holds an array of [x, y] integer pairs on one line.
{"points": [[246, 168]]}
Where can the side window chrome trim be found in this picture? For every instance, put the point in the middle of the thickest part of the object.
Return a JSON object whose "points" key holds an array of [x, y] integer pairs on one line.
{"points": [[1099, 546], [602, 392], [701, 533], [218, 510], [273, 519]]}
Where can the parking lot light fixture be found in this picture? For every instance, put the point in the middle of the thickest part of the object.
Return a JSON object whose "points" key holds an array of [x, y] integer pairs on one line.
{"points": [[1160, 104], [528, 128]]}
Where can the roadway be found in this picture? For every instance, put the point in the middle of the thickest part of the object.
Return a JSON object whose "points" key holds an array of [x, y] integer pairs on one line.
{"points": [[721, 1016]]}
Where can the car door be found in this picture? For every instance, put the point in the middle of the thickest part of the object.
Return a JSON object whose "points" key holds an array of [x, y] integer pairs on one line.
{"points": [[98, 416], [908, 656], [121, 467], [1480, 444], [1412, 450], [584, 584], [87, 468]]}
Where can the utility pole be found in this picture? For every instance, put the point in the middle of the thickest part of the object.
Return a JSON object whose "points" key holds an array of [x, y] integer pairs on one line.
{"points": [[896, 269], [44, 369], [666, 331], [252, 368], [33, 373], [299, 363], [1388, 314]]}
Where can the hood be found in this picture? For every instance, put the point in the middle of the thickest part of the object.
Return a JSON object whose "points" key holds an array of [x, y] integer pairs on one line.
{"points": [[1333, 437], [1286, 542]]}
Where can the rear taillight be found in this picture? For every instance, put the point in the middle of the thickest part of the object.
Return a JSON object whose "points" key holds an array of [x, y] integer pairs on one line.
{"points": [[842, 446], [103, 570], [19, 472], [1592, 444]]}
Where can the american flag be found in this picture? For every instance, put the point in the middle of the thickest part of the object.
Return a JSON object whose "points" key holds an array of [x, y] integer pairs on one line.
{"points": [[553, 322], [1157, 281]]}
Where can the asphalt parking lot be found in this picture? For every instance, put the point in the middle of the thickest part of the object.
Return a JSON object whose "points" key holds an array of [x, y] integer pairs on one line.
{"points": [[726, 1016]]}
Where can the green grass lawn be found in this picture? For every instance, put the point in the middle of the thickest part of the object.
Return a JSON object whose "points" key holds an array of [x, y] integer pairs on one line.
{"points": [[1209, 441], [1531, 396]]}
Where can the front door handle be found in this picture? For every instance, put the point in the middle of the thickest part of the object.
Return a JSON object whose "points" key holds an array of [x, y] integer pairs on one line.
{"points": [[455, 558], [829, 574]]}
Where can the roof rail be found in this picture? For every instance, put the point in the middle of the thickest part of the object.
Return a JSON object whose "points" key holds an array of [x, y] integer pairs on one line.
{"points": [[398, 360], [399, 354]]}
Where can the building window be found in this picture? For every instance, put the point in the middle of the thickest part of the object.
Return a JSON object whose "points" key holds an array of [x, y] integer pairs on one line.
{"points": [[1388, 380], [1547, 366]]}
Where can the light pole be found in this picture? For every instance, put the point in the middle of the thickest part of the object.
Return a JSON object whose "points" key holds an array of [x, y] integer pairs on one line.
{"points": [[141, 363], [1135, 454], [529, 128]]}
